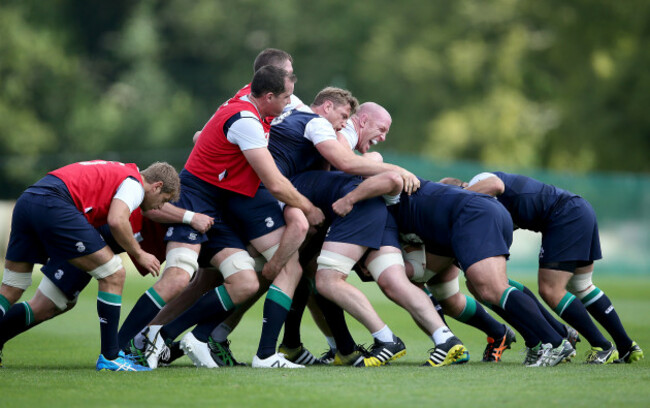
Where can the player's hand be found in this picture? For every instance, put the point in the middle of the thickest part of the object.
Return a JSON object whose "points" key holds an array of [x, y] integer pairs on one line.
{"points": [[411, 182], [315, 216], [270, 270], [201, 222], [342, 207], [149, 262]]}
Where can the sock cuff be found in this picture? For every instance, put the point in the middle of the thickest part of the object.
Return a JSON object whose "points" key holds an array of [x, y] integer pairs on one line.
{"points": [[564, 303], [109, 298], [593, 296], [4, 304], [276, 295], [155, 298], [224, 298], [29, 314], [312, 285], [516, 284], [468, 311], [504, 297]]}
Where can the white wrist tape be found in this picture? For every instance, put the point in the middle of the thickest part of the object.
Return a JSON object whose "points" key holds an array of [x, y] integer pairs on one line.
{"points": [[187, 217]]}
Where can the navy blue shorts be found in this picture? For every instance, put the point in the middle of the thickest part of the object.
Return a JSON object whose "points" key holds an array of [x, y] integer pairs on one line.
{"points": [[482, 229], [70, 279], [391, 233], [200, 196], [255, 216], [48, 226], [364, 225], [571, 234]]}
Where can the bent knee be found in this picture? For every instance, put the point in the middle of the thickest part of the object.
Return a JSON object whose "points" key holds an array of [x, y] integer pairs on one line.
{"points": [[249, 288], [547, 292], [242, 286], [116, 278], [171, 283], [297, 221]]}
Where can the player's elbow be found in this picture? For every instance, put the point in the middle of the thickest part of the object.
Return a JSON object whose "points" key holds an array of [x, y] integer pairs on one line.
{"points": [[496, 186], [275, 187], [374, 156], [114, 220]]}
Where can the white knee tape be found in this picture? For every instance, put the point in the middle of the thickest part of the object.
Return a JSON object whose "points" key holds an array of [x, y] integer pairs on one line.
{"points": [[444, 290], [424, 277], [183, 258], [383, 262], [20, 280], [417, 259], [109, 268], [268, 254], [52, 292], [237, 262], [337, 262], [580, 285], [259, 263]]}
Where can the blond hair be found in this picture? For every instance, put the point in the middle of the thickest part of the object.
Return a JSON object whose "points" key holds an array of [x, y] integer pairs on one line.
{"points": [[165, 172], [338, 97]]}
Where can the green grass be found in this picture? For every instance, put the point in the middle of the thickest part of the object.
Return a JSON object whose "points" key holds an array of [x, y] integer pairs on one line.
{"points": [[53, 365]]}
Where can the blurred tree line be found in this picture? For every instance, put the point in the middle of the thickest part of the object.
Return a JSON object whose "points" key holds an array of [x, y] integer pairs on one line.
{"points": [[523, 83]]}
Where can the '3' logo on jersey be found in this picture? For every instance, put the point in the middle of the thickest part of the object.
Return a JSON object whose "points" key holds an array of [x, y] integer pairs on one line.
{"points": [[269, 222]]}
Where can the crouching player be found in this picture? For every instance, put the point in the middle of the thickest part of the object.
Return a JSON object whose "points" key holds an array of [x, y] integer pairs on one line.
{"points": [[56, 219]]}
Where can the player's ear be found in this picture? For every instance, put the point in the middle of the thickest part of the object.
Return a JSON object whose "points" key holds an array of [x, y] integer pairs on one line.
{"points": [[363, 120], [327, 106]]}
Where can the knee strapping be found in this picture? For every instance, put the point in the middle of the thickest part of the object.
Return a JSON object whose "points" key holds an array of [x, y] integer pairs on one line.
{"points": [[52, 292], [334, 261], [383, 262], [20, 280], [580, 285], [583, 288], [183, 258], [417, 259], [268, 254], [108, 269], [237, 262], [445, 290]]}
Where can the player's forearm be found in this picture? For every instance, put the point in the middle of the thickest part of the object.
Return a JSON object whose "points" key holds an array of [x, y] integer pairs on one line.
{"points": [[362, 166], [374, 187], [170, 214], [491, 185], [284, 191], [123, 234]]}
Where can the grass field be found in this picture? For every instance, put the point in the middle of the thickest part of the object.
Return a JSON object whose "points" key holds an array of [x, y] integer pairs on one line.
{"points": [[53, 365]]}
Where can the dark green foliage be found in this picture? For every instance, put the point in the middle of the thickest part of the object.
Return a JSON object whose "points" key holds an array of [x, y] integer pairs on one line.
{"points": [[524, 83]]}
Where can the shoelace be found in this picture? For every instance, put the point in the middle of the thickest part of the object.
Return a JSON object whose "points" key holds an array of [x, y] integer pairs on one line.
{"points": [[591, 355], [165, 353], [492, 350], [222, 351], [531, 355], [328, 355]]}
